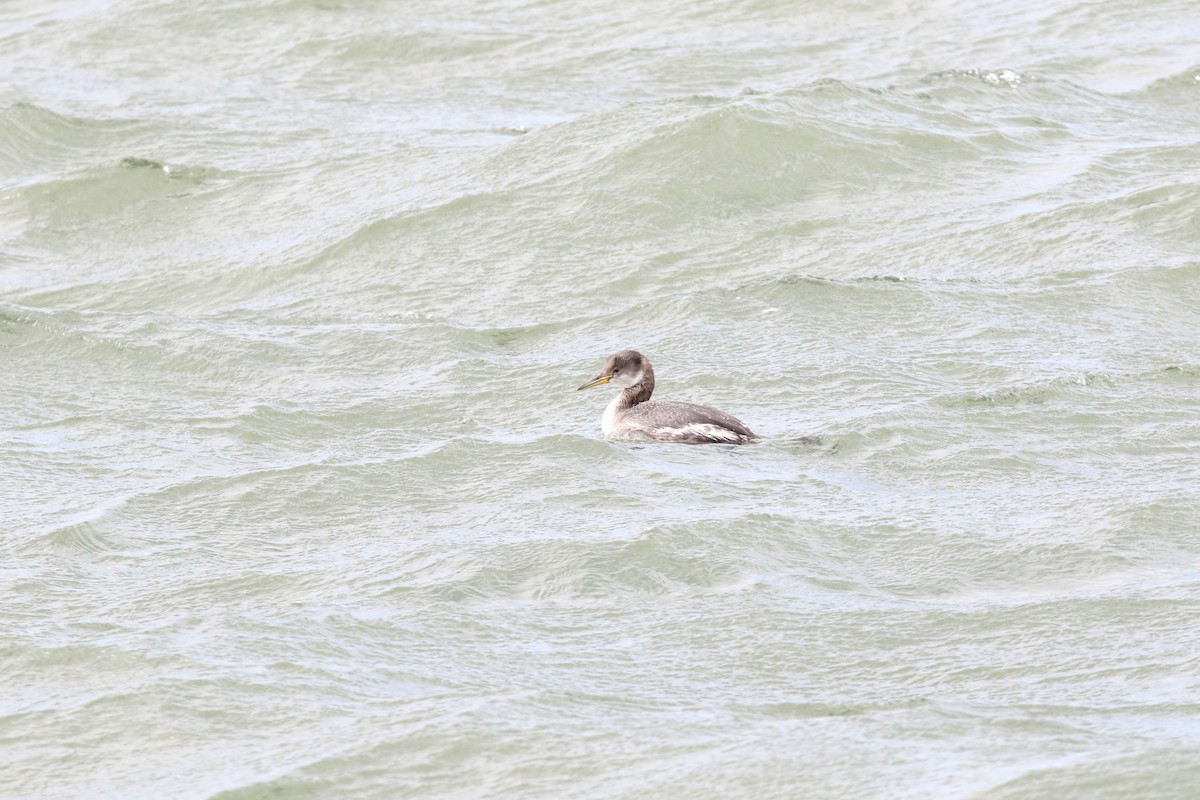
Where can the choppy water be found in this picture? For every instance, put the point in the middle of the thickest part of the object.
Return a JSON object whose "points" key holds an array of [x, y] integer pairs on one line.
{"points": [[298, 499]]}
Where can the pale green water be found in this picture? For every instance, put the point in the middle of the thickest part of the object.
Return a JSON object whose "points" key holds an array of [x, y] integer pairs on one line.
{"points": [[299, 499]]}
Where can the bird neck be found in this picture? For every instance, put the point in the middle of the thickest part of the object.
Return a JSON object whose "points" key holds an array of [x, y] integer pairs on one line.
{"points": [[640, 392]]}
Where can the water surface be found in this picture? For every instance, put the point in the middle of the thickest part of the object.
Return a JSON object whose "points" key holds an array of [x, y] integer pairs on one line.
{"points": [[299, 500]]}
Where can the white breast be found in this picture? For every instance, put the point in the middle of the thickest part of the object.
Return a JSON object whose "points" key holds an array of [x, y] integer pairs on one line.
{"points": [[608, 423]]}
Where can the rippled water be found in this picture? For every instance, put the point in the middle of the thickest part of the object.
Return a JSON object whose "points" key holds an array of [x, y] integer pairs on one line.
{"points": [[300, 501]]}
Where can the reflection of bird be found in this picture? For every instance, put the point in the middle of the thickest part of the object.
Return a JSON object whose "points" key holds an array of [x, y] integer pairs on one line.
{"points": [[633, 415]]}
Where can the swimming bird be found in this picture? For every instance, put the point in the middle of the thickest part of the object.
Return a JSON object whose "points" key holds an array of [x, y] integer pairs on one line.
{"points": [[633, 415]]}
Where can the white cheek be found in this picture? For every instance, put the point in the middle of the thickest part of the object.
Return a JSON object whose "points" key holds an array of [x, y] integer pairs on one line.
{"points": [[622, 380], [625, 381]]}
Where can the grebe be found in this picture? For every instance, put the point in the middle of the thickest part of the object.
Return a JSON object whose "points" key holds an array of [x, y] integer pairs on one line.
{"points": [[633, 415]]}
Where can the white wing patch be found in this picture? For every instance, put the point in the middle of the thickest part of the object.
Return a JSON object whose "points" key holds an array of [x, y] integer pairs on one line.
{"points": [[701, 430]]}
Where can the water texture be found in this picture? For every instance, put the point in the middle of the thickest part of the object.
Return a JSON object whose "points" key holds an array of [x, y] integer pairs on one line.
{"points": [[298, 500]]}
